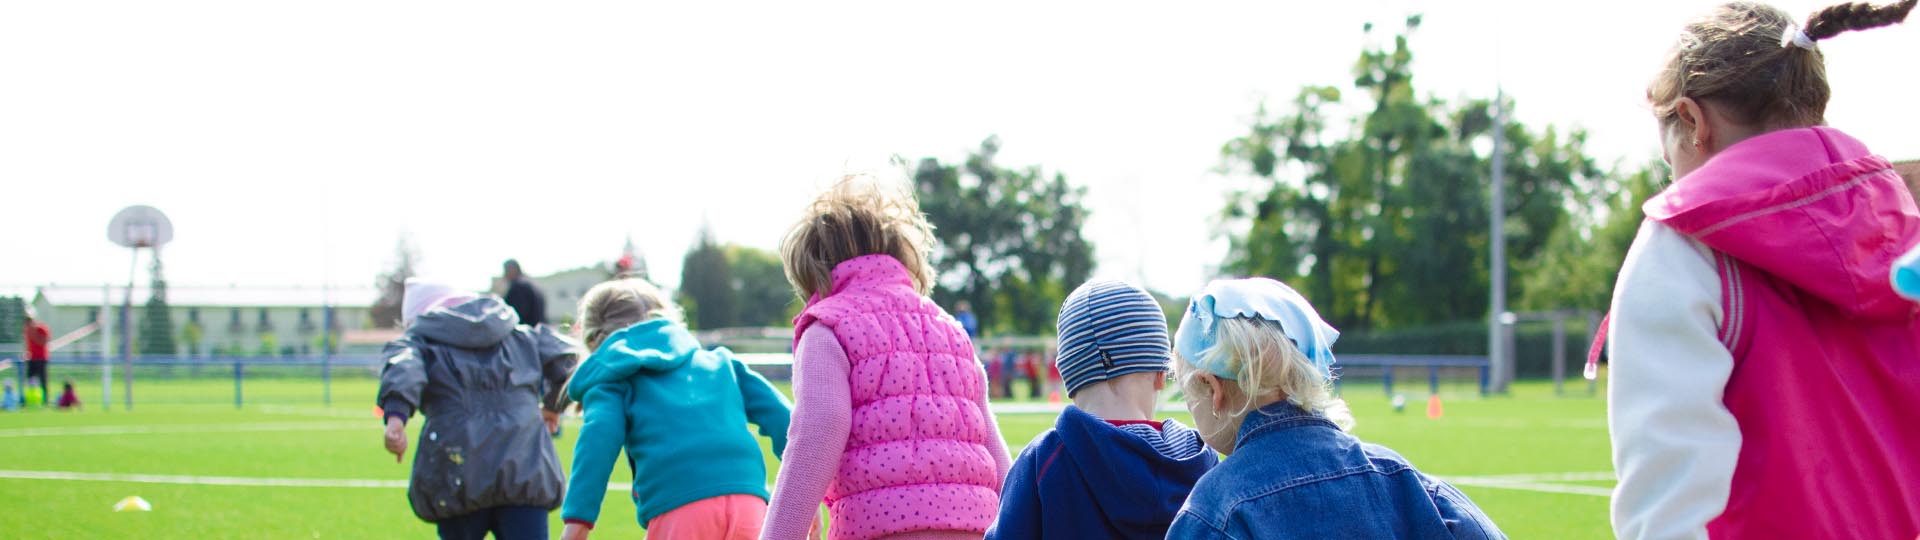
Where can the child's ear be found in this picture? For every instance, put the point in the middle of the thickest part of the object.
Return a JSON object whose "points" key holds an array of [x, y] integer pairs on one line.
{"points": [[1216, 391], [1160, 383]]}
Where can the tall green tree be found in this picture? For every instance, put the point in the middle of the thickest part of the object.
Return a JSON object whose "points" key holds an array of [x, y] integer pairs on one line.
{"points": [[706, 286], [1381, 218], [762, 296], [1010, 238], [156, 320], [1581, 261]]}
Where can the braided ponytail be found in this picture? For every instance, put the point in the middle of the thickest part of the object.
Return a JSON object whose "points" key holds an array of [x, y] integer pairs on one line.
{"points": [[1833, 20]]}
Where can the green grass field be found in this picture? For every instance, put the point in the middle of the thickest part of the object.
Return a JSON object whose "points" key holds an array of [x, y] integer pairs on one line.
{"points": [[1535, 462]]}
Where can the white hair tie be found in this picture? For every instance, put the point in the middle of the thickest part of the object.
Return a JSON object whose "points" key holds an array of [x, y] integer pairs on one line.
{"points": [[1794, 36]]}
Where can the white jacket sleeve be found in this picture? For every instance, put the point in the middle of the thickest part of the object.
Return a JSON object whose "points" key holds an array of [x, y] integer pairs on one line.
{"points": [[1674, 442]]}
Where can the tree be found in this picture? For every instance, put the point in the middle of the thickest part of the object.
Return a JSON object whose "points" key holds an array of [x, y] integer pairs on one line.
{"points": [[1581, 261], [393, 285], [706, 290], [762, 296], [1384, 223], [1009, 239], [156, 321]]}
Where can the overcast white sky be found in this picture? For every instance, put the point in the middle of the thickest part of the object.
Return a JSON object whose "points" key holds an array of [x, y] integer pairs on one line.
{"points": [[292, 143]]}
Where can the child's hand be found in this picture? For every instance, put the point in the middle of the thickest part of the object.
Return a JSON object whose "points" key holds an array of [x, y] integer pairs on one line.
{"points": [[552, 419], [396, 438], [574, 531]]}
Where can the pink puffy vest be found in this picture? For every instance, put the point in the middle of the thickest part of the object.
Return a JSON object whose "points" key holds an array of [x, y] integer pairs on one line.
{"points": [[1826, 379], [917, 457]]}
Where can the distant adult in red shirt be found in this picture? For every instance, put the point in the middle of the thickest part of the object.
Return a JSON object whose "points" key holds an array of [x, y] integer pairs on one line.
{"points": [[36, 334]]}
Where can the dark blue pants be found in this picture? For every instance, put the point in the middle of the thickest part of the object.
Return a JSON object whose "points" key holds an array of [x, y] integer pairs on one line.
{"points": [[506, 523]]}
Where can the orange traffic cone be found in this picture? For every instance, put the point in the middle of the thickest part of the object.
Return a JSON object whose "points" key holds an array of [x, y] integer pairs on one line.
{"points": [[1053, 398], [377, 413], [1433, 406]]}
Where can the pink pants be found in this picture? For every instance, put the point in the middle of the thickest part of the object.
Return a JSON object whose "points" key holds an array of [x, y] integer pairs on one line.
{"points": [[727, 517]]}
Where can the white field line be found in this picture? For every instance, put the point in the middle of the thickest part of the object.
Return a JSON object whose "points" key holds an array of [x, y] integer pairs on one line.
{"points": [[1499, 482], [187, 428], [1546, 477], [1533, 486], [225, 480]]}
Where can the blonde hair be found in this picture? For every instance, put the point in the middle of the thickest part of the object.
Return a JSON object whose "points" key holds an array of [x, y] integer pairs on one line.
{"points": [[1734, 56], [1266, 363], [615, 305], [858, 216]]}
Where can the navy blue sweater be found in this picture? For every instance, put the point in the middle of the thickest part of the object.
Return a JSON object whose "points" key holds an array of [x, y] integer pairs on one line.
{"points": [[1086, 478]]}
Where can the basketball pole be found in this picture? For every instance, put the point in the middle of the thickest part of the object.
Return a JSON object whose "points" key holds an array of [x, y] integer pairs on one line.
{"points": [[126, 334]]}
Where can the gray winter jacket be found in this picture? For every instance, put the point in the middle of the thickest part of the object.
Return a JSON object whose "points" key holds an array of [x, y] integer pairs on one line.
{"points": [[480, 379]]}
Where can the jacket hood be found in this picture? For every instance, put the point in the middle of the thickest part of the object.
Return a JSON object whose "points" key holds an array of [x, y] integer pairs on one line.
{"points": [[1135, 486], [1811, 206], [473, 324], [655, 345]]}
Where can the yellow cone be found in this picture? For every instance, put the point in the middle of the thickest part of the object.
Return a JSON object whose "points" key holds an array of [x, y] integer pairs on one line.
{"points": [[135, 504]]}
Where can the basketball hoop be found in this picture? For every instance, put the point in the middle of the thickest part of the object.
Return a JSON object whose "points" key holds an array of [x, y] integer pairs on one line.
{"points": [[140, 227], [134, 228]]}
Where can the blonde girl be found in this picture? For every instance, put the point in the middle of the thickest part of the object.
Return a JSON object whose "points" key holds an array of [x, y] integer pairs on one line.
{"points": [[1254, 361]]}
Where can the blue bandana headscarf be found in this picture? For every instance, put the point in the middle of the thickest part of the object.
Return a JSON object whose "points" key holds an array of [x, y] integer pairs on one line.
{"points": [[1906, 275], [1252, 298]]}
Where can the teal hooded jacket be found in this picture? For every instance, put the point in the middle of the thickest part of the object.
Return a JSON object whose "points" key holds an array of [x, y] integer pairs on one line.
{"points": [[681, 414]]}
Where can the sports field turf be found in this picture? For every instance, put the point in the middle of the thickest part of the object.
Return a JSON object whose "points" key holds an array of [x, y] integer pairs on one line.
{"points": [[286, 467]]}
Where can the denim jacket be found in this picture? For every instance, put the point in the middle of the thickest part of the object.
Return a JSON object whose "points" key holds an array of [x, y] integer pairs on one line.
{"points": [[1295, 475]]}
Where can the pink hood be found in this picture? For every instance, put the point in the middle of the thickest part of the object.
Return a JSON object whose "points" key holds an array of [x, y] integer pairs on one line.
{"points": [[1791, 202]]}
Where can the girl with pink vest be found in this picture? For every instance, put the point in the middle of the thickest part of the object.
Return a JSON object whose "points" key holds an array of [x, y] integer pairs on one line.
{"points": [[1764, 373], [890, 421]]}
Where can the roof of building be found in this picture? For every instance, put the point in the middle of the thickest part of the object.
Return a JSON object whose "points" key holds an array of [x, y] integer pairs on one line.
{"points": [[190, 296]]}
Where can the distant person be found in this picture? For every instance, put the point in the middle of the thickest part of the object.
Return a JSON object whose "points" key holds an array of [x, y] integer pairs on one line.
{"points": [[1107, 469], [1765, 375], [485, 461], [963, 312], [10, 398], [678, 410], [891, 426], [523, 296], [36, 334], [68, 399], [1255, 365]]}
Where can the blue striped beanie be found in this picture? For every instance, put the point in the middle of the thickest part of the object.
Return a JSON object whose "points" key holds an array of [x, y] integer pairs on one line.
{"points": [[1108, 329]]}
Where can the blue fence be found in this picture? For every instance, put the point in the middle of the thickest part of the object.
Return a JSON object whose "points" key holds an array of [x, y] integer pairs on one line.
{"points": [[1355, 364]]}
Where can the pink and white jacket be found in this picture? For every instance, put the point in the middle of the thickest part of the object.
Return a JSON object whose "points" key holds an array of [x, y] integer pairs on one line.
{"points": [[922, 453], [1764, 375]]}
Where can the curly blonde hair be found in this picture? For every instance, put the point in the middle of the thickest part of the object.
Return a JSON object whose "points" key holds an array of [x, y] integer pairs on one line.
{"points": [[856, 217], [1266, 364]]}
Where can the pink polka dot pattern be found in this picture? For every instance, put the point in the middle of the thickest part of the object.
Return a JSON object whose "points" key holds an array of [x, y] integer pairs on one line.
{"points": [[917, 457]]}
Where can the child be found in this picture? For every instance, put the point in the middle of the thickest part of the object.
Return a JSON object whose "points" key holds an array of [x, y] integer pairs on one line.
{"points": [[678, 410], [1254, 364], [1107, 469], [485, 462], [10, 400], [1764, 372], [69, 401], [891, 426]]}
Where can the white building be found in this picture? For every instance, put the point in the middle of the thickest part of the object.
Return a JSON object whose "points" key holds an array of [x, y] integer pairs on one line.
{"points": [[231, 320]]}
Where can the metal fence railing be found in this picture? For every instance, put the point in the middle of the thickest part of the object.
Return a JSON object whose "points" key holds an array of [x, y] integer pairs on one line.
{"points": [[102, 382]]}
